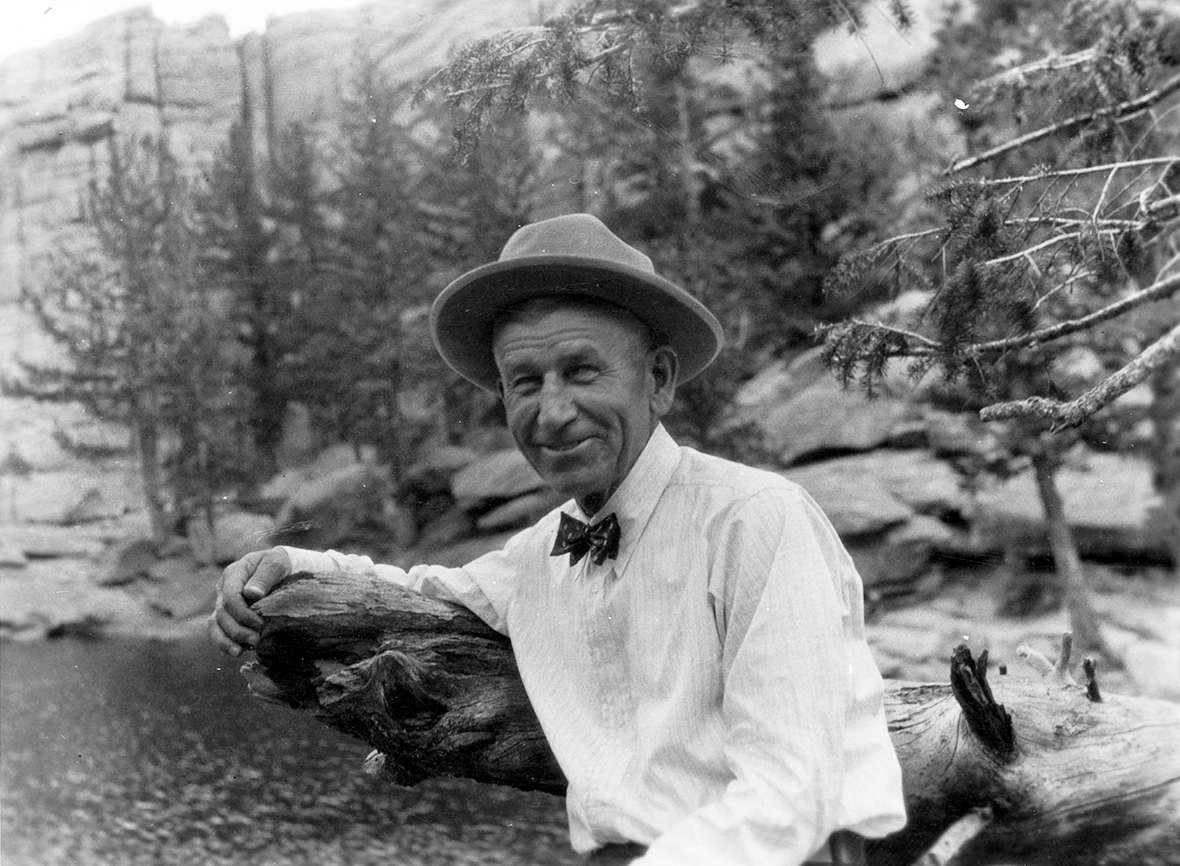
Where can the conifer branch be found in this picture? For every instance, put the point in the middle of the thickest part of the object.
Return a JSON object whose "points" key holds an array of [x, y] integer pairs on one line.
{"points": [[1036, 248], [914, 345], [1154, 292], [1122, 111], [1069, 414], [909, 336], [1102, 223], [1056, 63], [1074, 172]]}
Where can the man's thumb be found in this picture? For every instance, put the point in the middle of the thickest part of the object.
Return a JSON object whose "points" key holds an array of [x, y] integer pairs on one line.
{"points": [[271, 569]]}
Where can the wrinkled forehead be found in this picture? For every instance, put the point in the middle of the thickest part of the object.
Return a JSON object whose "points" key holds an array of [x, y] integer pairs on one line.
{"points": [[533, 309]]}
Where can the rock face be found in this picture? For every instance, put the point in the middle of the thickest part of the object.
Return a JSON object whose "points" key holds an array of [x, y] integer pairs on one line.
{"points": [[494, 478], [799, 411], [129, 74], [1108, 498]]}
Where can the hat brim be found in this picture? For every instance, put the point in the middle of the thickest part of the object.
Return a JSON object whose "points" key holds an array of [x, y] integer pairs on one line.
{"points": [[462, 316]]}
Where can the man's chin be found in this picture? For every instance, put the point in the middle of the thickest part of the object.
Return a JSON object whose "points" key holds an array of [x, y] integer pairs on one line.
{"points": [[572, 485]]}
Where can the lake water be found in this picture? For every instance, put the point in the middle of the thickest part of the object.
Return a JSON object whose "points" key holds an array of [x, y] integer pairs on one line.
{"points": [[152, 752]]}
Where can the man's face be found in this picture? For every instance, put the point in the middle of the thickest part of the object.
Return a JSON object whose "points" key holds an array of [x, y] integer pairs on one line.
{"points": [[582, 393]]}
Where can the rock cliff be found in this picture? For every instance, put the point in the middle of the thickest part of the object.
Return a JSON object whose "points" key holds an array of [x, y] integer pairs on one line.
{"points": [[129, 72]]}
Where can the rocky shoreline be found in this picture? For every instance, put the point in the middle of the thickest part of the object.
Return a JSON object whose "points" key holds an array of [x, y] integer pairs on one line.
{"points": [[946, 551], [929, 547]]}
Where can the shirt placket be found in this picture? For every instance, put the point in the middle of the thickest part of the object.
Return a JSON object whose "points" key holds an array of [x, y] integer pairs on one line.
{"points": [[606, 642]]}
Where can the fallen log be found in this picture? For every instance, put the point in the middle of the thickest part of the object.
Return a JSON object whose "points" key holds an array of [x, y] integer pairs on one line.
{"points": [[1038, 771]]}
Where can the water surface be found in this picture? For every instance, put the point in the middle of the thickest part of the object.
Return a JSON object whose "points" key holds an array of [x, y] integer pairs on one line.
{"points": [[152, 752]]}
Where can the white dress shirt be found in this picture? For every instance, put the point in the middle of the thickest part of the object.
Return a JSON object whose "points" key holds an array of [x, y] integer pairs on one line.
{"points": [[709, 692]]}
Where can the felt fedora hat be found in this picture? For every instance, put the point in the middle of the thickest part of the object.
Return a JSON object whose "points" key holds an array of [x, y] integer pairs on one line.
{"points": [[572, 255]]}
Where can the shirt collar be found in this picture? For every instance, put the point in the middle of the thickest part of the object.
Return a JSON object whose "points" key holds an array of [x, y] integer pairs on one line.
{"points": [[635, 499]]}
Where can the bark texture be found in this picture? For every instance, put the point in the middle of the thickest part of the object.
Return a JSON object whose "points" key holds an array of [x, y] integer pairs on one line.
{"points": [[1064, 776]]}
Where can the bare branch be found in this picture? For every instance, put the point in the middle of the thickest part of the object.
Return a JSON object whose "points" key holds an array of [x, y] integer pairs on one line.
{"points": [[926, 347], [1154, 292], [954, 837], [1043, 245], [1122, 111], [1110, 225], [1085, 170], [1056, 63], [1162, 351], [901, 332], [1036, 659]]}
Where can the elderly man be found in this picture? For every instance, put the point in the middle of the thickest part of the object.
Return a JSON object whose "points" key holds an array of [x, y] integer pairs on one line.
{"points": [[689, 630]]}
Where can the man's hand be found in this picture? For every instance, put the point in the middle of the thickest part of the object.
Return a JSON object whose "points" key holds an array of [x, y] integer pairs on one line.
{"points": [[232, 625]]}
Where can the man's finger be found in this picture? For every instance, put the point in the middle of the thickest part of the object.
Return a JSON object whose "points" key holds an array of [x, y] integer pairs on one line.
{"points": [[271, 570], [231, 595], [220, 627]]}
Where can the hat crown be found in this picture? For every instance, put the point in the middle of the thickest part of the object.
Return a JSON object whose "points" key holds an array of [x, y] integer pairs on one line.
{"points": [[579, 235]]}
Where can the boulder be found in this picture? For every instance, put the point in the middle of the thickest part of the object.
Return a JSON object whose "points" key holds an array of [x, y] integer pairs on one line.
{"points": [[433, 470], [92, 506], [127, 562], [289, 482], [855, 504], [340, 505], [58, 597], [895, 562], [181, 589], [797, 409], [232, 536], [912, 476], [1108, 501], [826, 418], [50, 542], [494, 477], [521, 511], [778, 382], [445, 530], [62, 498], [11, 556], [959, 434]]}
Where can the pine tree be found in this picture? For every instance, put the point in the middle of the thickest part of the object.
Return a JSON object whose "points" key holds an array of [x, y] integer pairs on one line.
{"points": [[1041, 242], [378, 263], [732, 192], [1036, 240], [140, 334], [470, 203], [239, 245]]}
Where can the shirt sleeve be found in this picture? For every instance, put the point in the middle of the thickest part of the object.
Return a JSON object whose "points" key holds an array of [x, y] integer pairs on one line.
{"points": [[484, 586], [785, 667]]}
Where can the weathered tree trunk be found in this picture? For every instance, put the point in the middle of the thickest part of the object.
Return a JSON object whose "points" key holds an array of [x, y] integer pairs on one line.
{"points": [[1083, 618], [1165, 451], [147, 446], [1065, 776]]}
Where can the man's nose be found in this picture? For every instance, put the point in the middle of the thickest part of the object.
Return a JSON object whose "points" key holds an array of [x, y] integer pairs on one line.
{"points": [[556, 407]]}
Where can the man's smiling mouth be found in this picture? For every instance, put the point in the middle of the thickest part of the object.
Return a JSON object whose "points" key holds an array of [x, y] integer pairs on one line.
{"points": [[562, 447]]}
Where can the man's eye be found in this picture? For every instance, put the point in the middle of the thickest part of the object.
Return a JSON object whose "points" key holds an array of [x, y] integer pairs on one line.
{"points": [[524, 384], [583, 373]]}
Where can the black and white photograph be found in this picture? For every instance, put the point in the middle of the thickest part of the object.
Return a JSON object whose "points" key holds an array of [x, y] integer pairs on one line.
{"points": [[590, 432]]}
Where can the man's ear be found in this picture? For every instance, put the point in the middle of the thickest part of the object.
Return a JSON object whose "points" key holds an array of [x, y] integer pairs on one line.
{"points": [[663, 366]]}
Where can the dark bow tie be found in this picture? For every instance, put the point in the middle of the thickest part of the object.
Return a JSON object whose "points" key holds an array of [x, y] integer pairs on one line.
{"points": [[577, 539]]}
